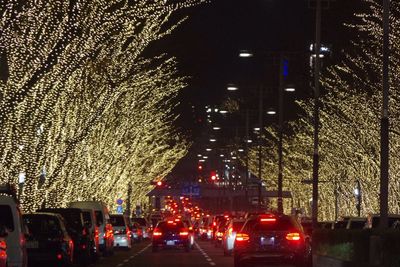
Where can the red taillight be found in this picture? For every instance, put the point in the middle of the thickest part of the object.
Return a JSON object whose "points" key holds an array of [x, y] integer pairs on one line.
{"points": [[184, 233], [170, 222], [240, 237], [293, 236], [59, 257], [157, 232], [83, 246], [84, 232], [214, 223], [268, 220]]}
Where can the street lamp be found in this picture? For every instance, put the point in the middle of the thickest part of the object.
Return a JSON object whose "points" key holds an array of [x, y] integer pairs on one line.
{"points": [[245, 54], [271, 112], [232, 87]]}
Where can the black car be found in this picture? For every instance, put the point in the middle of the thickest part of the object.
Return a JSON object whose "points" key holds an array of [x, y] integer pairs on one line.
{"points": [[171, 233], [79, 232], [47, 240], [272, 239]]}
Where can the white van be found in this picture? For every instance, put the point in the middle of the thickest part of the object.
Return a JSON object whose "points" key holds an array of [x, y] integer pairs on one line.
{"points": [[11, 219], [106, 234]]}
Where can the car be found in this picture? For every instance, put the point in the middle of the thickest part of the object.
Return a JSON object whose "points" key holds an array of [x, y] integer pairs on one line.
{"points": [[79, 232], [3, 246], [89, 219], [228, 239], [271, 239], [171, 233], [11, 219], [106, 236], [374, 220], [122, 234], [136, 232], [48, 242], [219, 232], [189, 225], [144, 225]]}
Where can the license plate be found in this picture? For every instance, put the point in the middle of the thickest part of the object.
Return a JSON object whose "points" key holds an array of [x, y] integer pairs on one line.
{"points": [[267, 241], [170, 243], [32, 244]]}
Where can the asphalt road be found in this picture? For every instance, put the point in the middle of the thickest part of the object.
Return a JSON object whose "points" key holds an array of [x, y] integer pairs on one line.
{"points": [[204, 255]]}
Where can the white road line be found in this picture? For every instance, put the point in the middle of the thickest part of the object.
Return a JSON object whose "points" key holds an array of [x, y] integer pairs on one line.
{"points": [[133, 256], [210, 261]]}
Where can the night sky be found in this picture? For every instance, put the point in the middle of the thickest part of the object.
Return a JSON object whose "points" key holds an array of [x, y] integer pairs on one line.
{"points": [[207, 45]]}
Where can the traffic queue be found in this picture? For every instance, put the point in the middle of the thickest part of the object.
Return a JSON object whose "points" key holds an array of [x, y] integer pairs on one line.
{"points": [[79, 234]]}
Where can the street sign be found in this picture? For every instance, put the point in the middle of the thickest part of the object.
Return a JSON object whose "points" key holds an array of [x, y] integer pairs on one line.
{"points": [[191, 189]]}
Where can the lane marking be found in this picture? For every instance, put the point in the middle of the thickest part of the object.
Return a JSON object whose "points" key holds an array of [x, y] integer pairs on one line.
{"points": [[134, 255], [208, 258]]}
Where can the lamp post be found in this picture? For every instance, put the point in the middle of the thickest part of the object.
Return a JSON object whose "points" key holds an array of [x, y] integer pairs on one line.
{"points": [[316, 114]]}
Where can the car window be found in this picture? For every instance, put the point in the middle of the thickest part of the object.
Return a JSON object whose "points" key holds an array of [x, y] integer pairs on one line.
{"points": [[170, 226], [6, 217], [281, 224], [39, 225], [87, 218], [99, 217], [117, 220]]}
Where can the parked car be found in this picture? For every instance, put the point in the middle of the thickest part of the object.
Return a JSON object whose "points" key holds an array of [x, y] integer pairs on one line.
{"points": [[171, 233], [3, 246], [144, 224], [11, 219], [272, 239], [78, 231], [136, 232], [106, 236], [48, 242], [122, 234], [228, 239]]}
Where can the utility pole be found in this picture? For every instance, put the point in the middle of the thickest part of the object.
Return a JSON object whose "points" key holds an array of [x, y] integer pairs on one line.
{"points": [[246, 185], [384, 186], [316, 113], [280, 141], [261, 125]]}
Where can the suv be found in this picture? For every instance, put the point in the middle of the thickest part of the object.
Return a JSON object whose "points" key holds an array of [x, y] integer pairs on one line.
{"points": [[79, 232], [105, 230], [271, 239], [11, 219], [48, 242]]}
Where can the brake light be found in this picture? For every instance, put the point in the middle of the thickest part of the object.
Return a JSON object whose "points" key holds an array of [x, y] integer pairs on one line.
{"points": [[190, 228], [240, 237], [214, 223], [59, 256], [293, 236], [170, 222], [84, 232], [157, 232], [184, 233], [177, 220], [268, 220], [220, 234]]}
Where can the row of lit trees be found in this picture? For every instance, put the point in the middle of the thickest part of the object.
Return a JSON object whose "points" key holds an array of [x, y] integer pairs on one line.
{"points": [[350, 127], [82, 113]]}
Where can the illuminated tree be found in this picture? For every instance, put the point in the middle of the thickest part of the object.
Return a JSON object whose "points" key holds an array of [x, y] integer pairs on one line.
{"points": [[350, 125], [65, 66]]}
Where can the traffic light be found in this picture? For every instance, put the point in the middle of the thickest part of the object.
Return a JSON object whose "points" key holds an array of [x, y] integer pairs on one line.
{"points": [[213, 175]]}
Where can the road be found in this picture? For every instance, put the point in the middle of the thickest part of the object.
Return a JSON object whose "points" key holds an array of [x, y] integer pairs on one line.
{"points": [[204, 255]]}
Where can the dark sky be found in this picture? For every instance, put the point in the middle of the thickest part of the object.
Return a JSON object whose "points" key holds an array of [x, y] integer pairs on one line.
{"points": [[207, 45]]}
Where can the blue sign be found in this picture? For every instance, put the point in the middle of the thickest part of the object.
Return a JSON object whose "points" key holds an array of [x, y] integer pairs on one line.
{"points": [[192, 190], [285, 68], [120, 210]]}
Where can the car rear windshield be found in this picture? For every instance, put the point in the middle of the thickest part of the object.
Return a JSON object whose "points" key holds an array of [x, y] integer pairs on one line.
{"points": [[281, 224], [236, 226], [6, 218], [42, 225], [117, 220], [87, 218], [72, 217], [99, 217], [141, 221], [171, 226]]}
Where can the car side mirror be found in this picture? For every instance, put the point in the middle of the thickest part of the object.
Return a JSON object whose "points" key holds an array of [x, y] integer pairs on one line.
{"points": [[3, 231]]}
